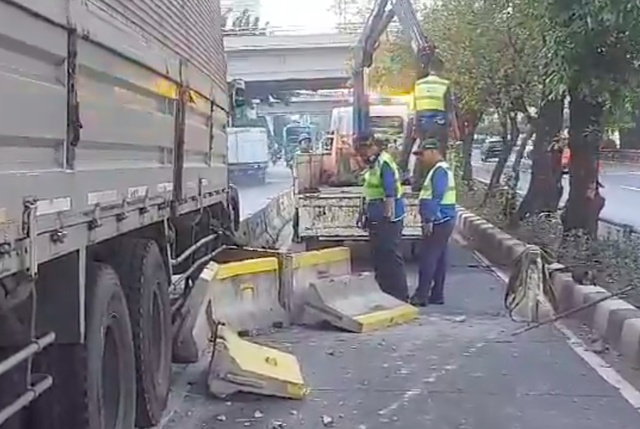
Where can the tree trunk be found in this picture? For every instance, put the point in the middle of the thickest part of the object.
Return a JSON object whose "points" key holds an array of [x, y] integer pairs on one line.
{"points": [[630, 138], [470, 124], [585, 133], [510, 134], [545, 187], [517, 160]]}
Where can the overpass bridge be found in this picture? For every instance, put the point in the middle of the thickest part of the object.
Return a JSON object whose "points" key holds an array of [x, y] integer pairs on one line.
{"points": [[318, 106], [274, 63]]}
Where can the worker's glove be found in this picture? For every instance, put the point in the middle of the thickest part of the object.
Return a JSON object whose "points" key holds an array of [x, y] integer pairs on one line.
{"points": [[362, 222], [427, 229]]}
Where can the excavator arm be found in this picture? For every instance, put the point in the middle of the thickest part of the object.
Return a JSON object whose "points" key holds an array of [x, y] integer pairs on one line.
{"points": [[383, 12]]}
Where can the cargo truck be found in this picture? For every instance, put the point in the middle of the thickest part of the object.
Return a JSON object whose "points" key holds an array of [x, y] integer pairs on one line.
{"points": [[113, 181], [248, 150]]}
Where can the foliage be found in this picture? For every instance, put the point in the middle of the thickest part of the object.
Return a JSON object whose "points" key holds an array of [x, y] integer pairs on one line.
{"points": [[486, 48], [394, 67], [350, 13], [243, 24], [614, 259], [592, 46]]}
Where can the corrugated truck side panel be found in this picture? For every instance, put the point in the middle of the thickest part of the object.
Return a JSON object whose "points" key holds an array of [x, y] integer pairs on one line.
{"points": [[128, 57]]}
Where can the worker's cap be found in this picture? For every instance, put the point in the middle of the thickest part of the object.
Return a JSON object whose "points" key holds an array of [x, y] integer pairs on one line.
{"points": [[428, 144], [304, 137], [363, 141]]}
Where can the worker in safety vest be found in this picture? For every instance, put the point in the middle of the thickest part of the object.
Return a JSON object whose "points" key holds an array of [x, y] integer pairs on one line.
{"points": [[383, 215], [438, 214], [432, 104]]}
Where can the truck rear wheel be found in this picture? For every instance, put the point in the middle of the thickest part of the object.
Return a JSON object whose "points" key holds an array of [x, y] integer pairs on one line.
{"points": [[144, 279], [93, 383]]}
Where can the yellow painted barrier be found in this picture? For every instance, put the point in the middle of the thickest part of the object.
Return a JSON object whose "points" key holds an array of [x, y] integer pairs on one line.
{"points": [[239, 365], [301, 269], [355, 303], [244, 294]]}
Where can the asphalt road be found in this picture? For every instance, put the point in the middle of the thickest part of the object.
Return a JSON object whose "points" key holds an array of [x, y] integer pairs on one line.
{"points": [[457, 367], [254, 197], [621, 188]]}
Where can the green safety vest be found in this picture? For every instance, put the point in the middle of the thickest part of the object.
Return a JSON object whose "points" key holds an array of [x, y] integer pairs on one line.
{"points": [[450, 194], [372, 187], [430, 92]]}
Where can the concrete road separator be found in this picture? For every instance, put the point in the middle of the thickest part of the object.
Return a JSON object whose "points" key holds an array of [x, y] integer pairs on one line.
{"points": [[238, 365], [263, 227], [614, 320], [244, 294], [355, 303], [300, 269]]}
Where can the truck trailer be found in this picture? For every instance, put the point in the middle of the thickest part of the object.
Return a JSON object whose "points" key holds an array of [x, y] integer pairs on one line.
{"points": [[113, 182], [248, 149]]}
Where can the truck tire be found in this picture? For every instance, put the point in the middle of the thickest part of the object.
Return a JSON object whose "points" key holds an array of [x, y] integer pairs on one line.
{"points": [[94, 384], [145, 283]]}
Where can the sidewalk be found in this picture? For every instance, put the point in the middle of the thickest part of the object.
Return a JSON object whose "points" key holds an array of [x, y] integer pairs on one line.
{"points": [[455, 368]]}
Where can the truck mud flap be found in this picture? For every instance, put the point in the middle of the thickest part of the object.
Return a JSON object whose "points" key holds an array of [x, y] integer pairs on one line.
{"points": [[301, 269], [238, 365], [242, 286], [355, 303]]}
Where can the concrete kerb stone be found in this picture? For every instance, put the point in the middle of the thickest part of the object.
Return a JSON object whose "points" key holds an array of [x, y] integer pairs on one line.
{"points": [[192, 334], [355, 303], [614, 320], [242, 294], [486, 238], [301, 269]]}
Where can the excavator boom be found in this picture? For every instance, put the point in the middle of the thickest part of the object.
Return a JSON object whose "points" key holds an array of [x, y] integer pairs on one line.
{"points": [[383, 12]]}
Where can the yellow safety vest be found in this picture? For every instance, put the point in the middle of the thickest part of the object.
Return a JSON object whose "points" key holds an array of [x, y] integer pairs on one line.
{"points": [[430, 92], [372, 187], [449, 197]]}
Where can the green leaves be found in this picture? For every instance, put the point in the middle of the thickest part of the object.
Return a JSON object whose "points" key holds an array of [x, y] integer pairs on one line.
{"points": [[593, 47], [512, 55]]}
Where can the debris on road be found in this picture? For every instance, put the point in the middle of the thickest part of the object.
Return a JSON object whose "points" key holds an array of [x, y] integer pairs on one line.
{"points": [[328, 421]]}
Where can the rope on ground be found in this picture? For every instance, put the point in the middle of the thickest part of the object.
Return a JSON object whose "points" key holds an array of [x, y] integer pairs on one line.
{"points": [[529, 279]]}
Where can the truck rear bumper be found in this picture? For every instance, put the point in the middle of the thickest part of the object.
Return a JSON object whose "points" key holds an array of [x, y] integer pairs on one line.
{"points": [[332, 215], [249, 168]]}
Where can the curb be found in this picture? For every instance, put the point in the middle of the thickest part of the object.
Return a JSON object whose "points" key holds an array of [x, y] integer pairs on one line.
{"points": [[615, 321]]}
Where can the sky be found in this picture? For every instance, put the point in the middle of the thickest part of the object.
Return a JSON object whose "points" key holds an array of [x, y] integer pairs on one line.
{"points": [[313, 15]]}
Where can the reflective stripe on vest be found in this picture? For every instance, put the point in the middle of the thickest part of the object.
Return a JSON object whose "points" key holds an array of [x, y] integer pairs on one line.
{"points": [[372, 188], [427, 188], [430, 93]]}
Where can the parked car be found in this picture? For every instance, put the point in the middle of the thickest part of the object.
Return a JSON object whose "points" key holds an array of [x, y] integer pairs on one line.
{"points": [[491, 149]]}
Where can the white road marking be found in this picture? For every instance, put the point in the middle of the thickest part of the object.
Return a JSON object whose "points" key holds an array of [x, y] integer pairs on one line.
{"points": [[599, 365], [631, 188]]}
